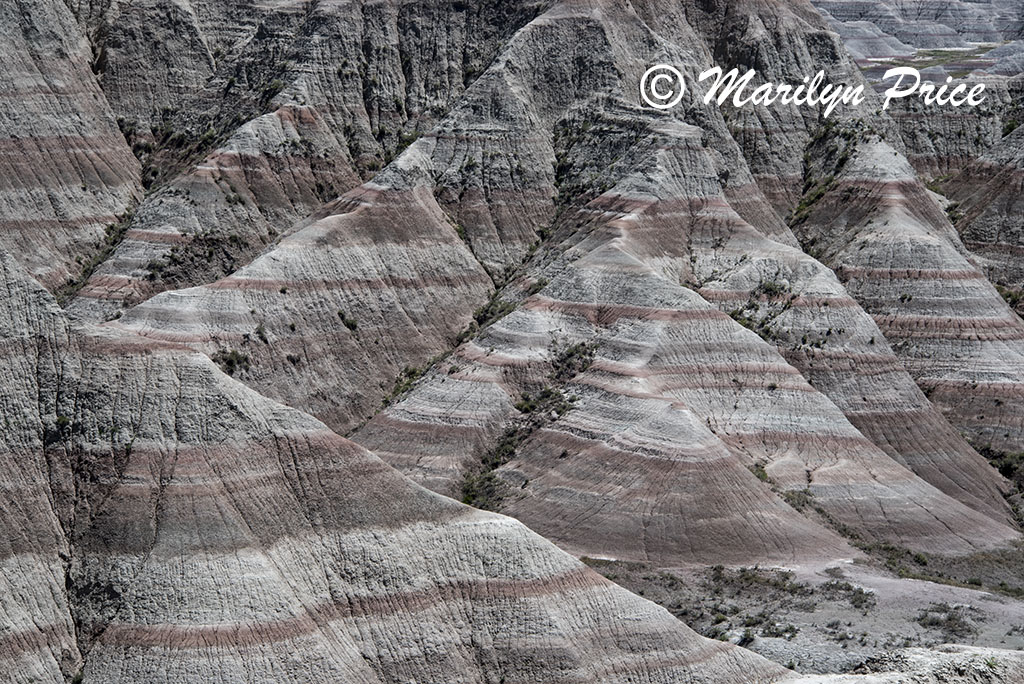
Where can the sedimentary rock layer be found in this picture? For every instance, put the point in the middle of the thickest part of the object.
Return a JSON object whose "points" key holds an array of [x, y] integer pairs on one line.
{"points": [[66, 173], [897, 253], [168, 524], [642, 209]]}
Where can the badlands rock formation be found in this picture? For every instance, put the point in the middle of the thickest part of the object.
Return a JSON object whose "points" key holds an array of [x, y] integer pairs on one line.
{"points": [[270, 111], [923, 23], [165, 523], [667, 195], [988, 197], [449, 232], [65, 171]]}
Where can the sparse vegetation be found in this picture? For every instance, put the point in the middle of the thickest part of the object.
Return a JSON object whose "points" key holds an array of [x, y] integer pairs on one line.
{"points": [[1013, 296], [481, 487], [953, 621], [349, 323], [231, 361], [798, 498], [113, 235], [547, 400], [759, 472], [859, 598], [404, 382], [572, 360]]}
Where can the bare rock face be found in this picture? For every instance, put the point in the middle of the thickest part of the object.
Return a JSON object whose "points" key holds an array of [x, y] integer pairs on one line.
{"points": [[988, 210], [925, 24], [175, 526], [67, 175], [267, 114], [612, 362], [449, 232], [892, 245], [612, 290], [865, 40]]}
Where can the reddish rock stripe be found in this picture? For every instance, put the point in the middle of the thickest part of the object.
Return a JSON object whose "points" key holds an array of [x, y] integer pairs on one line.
{"points": [[999, 247], [104, 285], [132, 344], [453, 282], [867, 365], [659, 371], [800, 301], [842, 442], [50, 224], [661, 458], [39, 638], [156, 237], [607, 314], [248, 635], [72, 144], [979, 388], [944, 328], [846, 272], [482, 355], [890, 193]]}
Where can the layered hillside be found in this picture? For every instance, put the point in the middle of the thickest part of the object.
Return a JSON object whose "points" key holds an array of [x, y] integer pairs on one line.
{"points": [[366, 258], [646, 208], [261, 113], [165, 523], [66, 174], [988, 210], [897, 253], [924, 23]]}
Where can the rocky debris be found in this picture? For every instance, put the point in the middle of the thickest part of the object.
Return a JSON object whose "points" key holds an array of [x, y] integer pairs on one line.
{"points": [[826, 618], [947, 665]]}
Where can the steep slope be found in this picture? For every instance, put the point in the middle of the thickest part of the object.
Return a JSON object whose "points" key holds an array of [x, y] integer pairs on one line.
{"points": [[988, 209], [929, 23], [613, 363], [148, 484], [641, 161], [267, 112], [660, 339], [896, 252], [65, 171]]}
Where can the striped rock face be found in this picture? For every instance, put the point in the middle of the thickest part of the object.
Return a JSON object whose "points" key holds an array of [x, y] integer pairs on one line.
{"points": [[897, 253], [928, 24], [172, 525], [265, 111], [65, 171], [988, 199], [663, 245], [674, 400], [370, 257]]}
